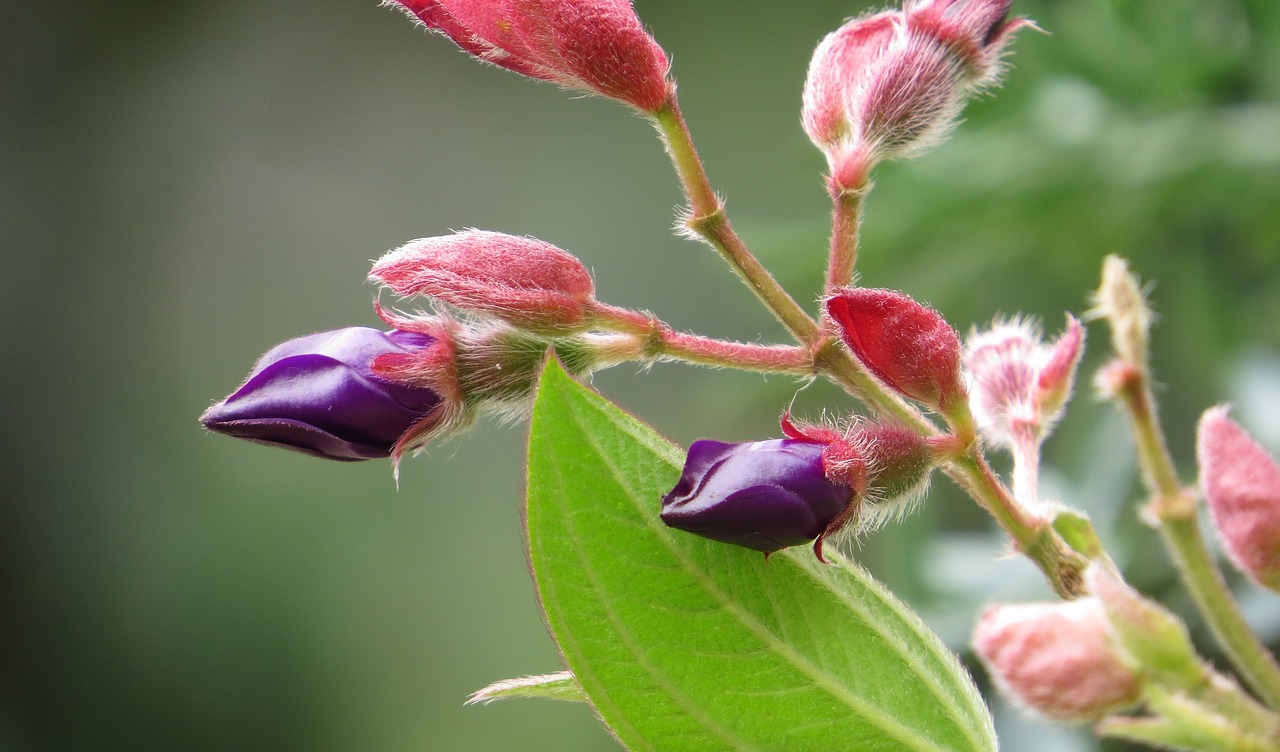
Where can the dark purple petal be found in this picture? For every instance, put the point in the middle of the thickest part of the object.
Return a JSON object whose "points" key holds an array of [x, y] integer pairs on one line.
{"points": [[318, 395], [763, 495]]}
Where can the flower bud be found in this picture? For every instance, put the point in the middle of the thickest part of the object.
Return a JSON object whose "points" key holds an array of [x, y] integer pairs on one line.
{"points": [[1121, 300], [320, 395], [892, 84], [1017, 383], [524, 281], [1241, 482], [908, 346], [1059, 659], [597, 46], [763, 495]]}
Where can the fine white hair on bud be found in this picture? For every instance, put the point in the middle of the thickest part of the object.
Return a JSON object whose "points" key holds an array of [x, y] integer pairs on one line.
{"points": [[1018, 383], [891, 84], [1059, 659]]}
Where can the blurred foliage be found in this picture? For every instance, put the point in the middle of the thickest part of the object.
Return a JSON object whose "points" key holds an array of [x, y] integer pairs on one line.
{"points": [[183, 185]]}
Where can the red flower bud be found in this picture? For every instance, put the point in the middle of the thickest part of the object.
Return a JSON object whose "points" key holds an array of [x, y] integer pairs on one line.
{"points": [[597, 46], [1241, 482], [1057, 658], [908, 346], [526, 282]]}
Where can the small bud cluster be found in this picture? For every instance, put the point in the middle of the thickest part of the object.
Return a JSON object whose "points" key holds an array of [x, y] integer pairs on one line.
{"points": [[359, 393]]}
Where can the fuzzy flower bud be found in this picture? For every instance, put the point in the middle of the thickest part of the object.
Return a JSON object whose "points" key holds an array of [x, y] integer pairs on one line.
{"points": [[524, 281], [597, 46], [1121, 301], [888, 462], [1017, 383], [1059, 659], [908, 346], [1241, 482], [892, 84], [321, 395], [763, 495]]}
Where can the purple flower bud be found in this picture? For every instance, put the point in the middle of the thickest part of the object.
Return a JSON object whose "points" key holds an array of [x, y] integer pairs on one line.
{"points": [[763, 495], [318, 395]]}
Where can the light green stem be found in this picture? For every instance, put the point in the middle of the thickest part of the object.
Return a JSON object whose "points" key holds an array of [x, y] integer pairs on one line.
{"points": [[1036, 538], [1173, 510], [1183, 724]]}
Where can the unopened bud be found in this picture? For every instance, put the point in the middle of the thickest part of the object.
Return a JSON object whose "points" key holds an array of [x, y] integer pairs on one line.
{"points": [[1059, 659], [524, 281], [907, 345], [321, 395], [1017, 383], [763, 495], [892, 84], [1121, 301], [597, 46], [888, 465], [1241, 482]]}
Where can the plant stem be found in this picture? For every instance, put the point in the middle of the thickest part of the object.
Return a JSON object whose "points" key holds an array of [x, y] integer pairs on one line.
{"points": [[1173, 511], [1036, 538], [1183, 724], [645, 338], [846, 220], [707, 218]]}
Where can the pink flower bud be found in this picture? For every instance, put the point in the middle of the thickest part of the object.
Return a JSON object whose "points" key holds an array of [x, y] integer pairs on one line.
{"points": [[1017, 383], [892, 84], [526, 282], [597, 46], [1059, 659], [908, 346], [846, 52], [1241, 482]]}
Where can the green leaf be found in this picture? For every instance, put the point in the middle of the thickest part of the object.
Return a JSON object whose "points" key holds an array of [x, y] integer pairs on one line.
{"points": [[682, 643], [1077, 530], [557, 686]]}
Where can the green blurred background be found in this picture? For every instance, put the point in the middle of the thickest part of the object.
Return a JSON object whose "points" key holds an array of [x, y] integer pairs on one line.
{"points": [[182, 185]]}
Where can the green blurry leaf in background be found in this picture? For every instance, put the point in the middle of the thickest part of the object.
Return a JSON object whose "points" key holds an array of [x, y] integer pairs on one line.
{"points": [[682, 643]]}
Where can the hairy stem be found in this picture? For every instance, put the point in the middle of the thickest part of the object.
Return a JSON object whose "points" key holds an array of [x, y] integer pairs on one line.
{"points": [[1172, 510], [1181, 723], [707, 218], [1035, 538], [846, 220]]}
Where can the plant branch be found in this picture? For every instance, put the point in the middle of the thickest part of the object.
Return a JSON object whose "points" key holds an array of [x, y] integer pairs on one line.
{"points": [[707, 218], [846, 220], [1172, 510]]}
